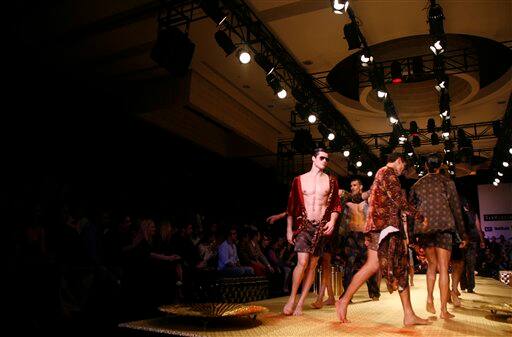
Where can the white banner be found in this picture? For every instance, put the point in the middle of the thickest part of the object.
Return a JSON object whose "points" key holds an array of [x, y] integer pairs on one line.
{"points": [[496, 210]]}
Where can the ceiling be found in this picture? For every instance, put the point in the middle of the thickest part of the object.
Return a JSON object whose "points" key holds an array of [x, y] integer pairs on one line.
{"points": [[108, 44]]}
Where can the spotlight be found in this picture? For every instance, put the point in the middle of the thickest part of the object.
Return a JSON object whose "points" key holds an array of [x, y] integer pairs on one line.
{"points": [[434, 139], [369, 174], [244, 56], [444, 105], [390, 112], [351, 32], [505, 164], [431, 125], [325, 132], [366, 59], [274, 83], [446, 129], [495, 184], [212, 9], [437, 48], [408, 149], [396, 72], [382, 94], [500, 174], [442, 83], [331, 136], [402, 139], [225, 42], [510, 150], [312, 119], [264, 64], [497, 180], [173, 50], [421, 174], [359, 163], [339, 6], [435, 20], [346, 153]]}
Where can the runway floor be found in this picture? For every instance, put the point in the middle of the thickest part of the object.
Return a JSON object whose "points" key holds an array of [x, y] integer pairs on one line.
{"points": [[368, 318]]}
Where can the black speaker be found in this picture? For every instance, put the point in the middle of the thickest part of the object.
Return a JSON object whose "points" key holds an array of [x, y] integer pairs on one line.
{"points": [[173, 50]]}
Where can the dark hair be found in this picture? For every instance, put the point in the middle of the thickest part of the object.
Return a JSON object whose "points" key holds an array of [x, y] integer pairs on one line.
{"points": [[393, 156], [433, 162], [356, 179], [317, 150]]}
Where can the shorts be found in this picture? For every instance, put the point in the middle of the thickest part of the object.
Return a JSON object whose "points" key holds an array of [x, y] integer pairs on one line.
{"points": [[310, 239], [442, 240], [372, 240]]}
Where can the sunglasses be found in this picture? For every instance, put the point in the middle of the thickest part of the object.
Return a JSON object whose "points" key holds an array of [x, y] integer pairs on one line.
{"points": [[324, 158]]}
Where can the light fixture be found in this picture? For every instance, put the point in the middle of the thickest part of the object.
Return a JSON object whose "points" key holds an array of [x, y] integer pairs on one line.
{"points": [[225, 42], [282, 94], [437, 48], [312, 118], [505, 164], [359, 163], [382, 94], [435, 20], [339, 6], [274, 83], [244, 56], [390, 111], [366, 59], [331, 136], [402, 139], [369, 174], [510, 150], [346, 153], [495, 184], [421, 173], [442, 84], [500, 174], [497, 180]]}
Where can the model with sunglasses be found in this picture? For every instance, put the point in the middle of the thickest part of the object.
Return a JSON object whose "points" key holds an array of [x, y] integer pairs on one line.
{"points": [[313, 208]]}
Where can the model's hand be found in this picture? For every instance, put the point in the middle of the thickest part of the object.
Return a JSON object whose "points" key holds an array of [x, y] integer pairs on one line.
{"points": [[289, 237], [273, 218], [328, 228]]}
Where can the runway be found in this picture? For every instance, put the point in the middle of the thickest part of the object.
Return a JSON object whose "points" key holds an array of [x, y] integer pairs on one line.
{"points": [[368, 318]]}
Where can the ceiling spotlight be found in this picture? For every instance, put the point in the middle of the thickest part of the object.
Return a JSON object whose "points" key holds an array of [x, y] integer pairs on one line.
{"points": [[264, 63], [382, 94], [497, 180], [312, 119], [346, 153], [510, 150], [505, 164], [495, 184], [437, 48], [274, 83], [359, 163], [446, 135], [421, 173], [331, 136], [281, 94], [500, 174], [402, 139], [244, 56], [442, 84], [369, 174], [366, 60], [225, 42], [339, 6]]}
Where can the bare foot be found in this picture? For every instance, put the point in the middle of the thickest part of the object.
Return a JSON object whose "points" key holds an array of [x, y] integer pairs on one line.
{"points": [[341, 311], [446, 315], [430, 307], [455, 299], [458, 292], [288, 308], [317, 304], [415, 320], [329, 301], [298, 310]]}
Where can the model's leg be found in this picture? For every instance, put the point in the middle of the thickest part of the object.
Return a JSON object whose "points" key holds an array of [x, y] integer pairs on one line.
{"points": [[443, 259], [298, 273], [458, 268], [430, 253], [306, 285], [370, 267], [410, 318]]}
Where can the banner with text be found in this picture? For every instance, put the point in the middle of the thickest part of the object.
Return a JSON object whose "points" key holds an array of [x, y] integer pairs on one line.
{"points": [[496, 210]]}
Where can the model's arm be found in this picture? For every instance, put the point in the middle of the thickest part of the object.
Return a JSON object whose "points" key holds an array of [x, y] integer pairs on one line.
{"points": [[276, 217]]}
